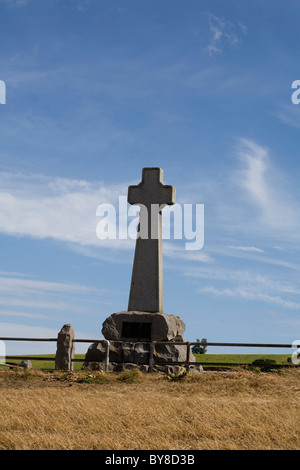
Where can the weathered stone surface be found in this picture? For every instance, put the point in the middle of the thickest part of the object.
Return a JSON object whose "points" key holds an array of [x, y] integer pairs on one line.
{"points": [[164, 327], [126, 352], [138, 353], [165, 353], [65, 348]]}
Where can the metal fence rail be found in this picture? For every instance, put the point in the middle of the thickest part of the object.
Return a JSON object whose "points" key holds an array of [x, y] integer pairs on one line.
{"points": [[152, 345]]}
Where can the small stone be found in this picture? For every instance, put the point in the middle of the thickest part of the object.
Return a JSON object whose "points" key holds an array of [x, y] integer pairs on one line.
{"points": [[196, 369], [26, 364]]}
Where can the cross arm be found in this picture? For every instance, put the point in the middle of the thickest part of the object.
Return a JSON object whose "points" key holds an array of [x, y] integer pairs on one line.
{"points": [[151, 190]]}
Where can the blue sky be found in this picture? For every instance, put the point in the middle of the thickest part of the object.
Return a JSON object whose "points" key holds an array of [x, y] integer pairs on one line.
{"points": [[97, 90]]}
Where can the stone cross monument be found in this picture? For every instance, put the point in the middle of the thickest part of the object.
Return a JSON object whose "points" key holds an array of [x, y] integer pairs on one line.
{"points": [[130, 332], [146, 292]]}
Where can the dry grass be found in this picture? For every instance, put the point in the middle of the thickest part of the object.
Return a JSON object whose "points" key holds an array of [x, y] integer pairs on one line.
{"points": [[240, 410]]}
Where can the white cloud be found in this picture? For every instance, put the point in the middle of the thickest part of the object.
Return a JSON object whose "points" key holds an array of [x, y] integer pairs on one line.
{"points": [[223, 31], [57, 208], [66, 210]]}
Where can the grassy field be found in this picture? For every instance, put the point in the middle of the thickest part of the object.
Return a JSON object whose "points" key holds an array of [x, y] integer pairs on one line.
{"points": [[241, 410], [202, 358]]}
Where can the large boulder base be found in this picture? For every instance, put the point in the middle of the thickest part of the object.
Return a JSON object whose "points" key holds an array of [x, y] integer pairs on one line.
{"points": [[137, 353], [164, 327]]}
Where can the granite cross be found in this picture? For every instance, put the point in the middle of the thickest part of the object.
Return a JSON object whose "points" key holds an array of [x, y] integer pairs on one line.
{"points": [[146, 292]]}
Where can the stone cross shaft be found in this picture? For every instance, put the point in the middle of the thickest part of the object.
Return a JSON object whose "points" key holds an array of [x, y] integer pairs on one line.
{"points": [[146, 292]]}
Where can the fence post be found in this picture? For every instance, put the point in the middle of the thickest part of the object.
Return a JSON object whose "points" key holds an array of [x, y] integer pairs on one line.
{"points": [[65, 348], [151, 355], [107, 355], [187, 366]]}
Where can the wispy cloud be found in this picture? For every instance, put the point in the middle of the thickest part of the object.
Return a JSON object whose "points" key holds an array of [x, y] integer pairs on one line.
{"points": [[83, 5], [264, 186], [241, 276], [251, 294], [47, 303], [61, 209], [253, 174], [250, 206], [223, 32], [17, 313], [246, 284], [175, 252], [65, 210], [251, 249], [12, 285], [35, 296], [15, 3]]}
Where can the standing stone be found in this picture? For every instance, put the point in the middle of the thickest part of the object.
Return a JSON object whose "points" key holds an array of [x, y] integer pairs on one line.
{"points": [[65, 348]]}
